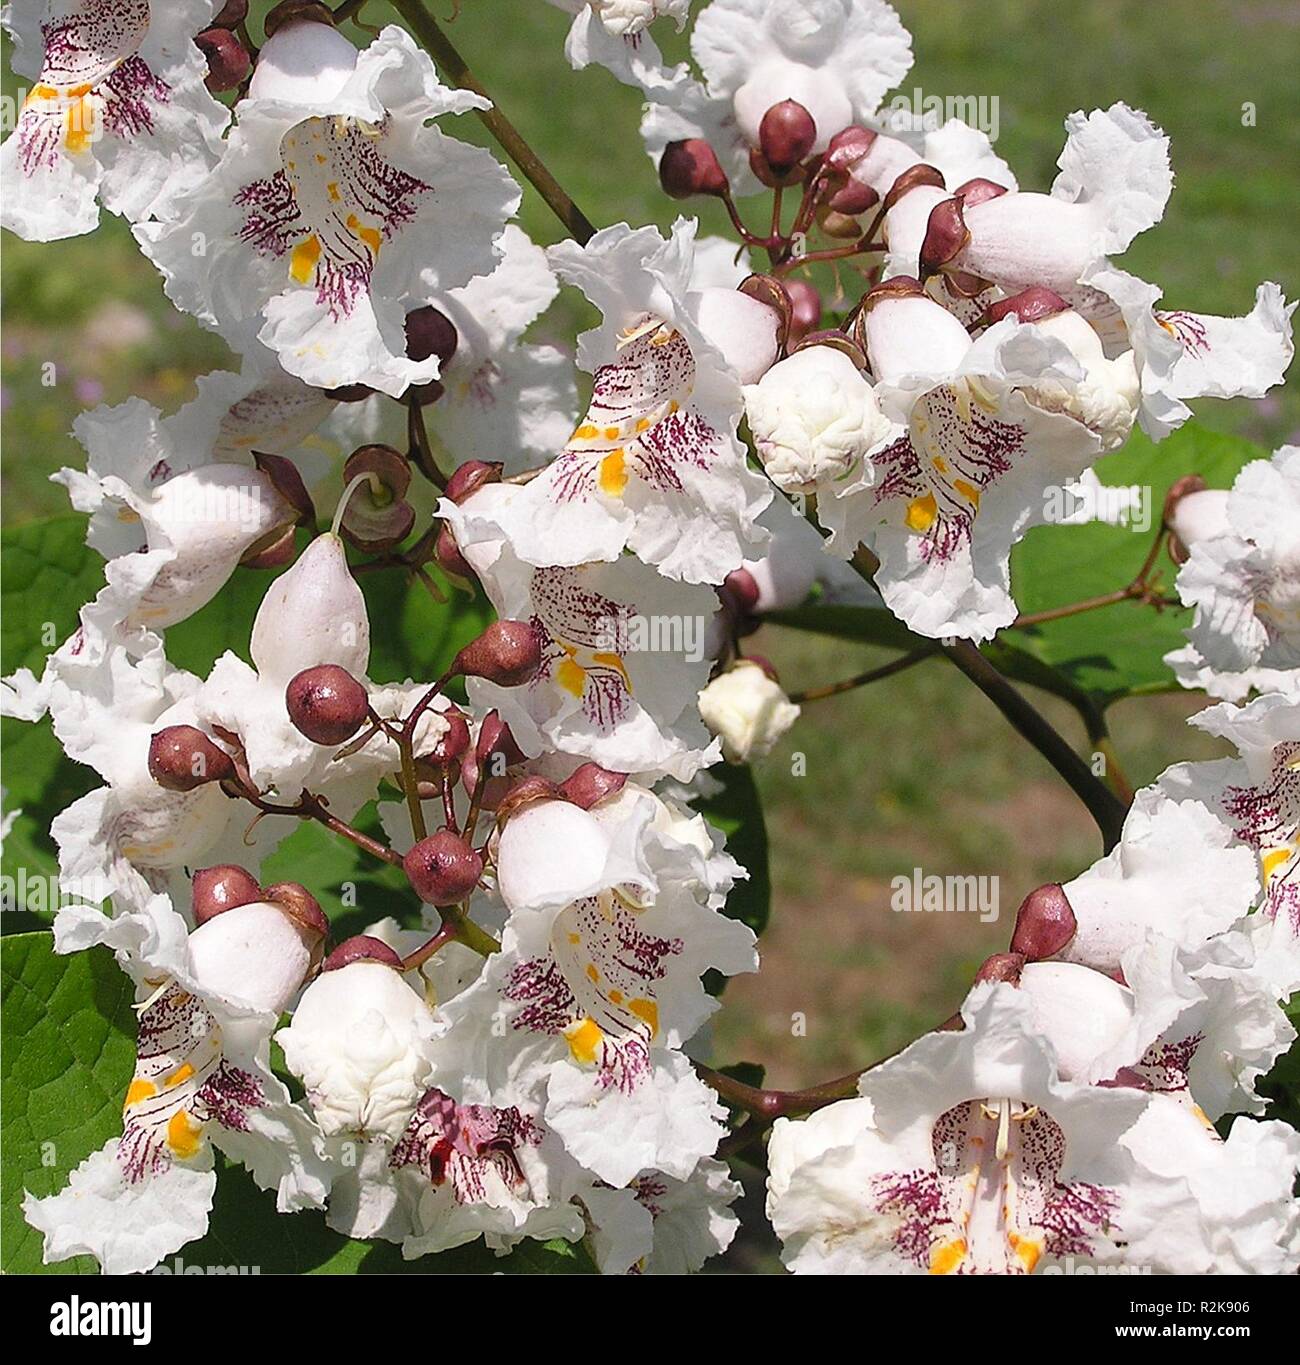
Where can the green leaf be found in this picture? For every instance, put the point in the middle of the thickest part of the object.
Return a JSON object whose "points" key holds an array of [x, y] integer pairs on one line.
{"points": [[1116, 650], [68, 1058], [737, 811], [46, 574]]}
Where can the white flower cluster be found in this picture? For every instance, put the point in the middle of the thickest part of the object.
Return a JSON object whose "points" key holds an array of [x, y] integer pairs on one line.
{"points": [[511, 1062]]}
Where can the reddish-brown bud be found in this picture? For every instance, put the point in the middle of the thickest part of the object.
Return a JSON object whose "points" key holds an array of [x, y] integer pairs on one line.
{"points": [[979, 191], [587, 785], [508, 653], [292, 11], [1001, 967], [848, 147], [739, 592], [853, 198], [1045, 923], [182, 757], [430, 332], [786, 135], [300, 905], [361, 948], [326, 703], [228, 59], [223, 887], [1030, 305], [691, 167], [443, 868], [806, 309], [469, 477], [448, 557], [946, 236], [453, 742]]}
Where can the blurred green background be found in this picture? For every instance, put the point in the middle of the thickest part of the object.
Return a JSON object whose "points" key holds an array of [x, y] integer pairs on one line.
{"points": [[918, 770]]}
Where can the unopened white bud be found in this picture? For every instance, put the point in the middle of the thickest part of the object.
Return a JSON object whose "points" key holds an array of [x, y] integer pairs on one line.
{"points": [[302, 63], [312, 614], [747, 710], [253, 955], [359, 1041], [742, 328], [814, 417]]}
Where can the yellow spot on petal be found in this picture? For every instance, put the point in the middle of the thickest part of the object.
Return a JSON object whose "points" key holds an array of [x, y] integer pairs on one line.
{"points": [[184, 1132], [572, 677], [79, 122], [940, 464], [137, 1092], [967, 491], [1027, 1250], [611, 433], [585, 432], [616, 997], [648, 1012], [1272, 860], [593, 973], [302, 261], [921, 512], [370, 236], [613, 473], [179, 1076], [321, 159], [584, 1039], [947, 1256], [642, 424], [332, 189], [575, 938]]}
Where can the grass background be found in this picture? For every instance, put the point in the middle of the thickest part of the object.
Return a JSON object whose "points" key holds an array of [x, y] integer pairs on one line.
{"points": [[915, 771]]}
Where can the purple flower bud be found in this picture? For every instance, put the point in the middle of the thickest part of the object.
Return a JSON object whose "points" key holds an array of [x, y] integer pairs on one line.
{"points": [[689, 168], [222, 887], [786, 135], [361, 948], [326, 703], [508, 653], [182, 758], [228, 59], [443, 869], [1044, 923], [430, 332]]}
